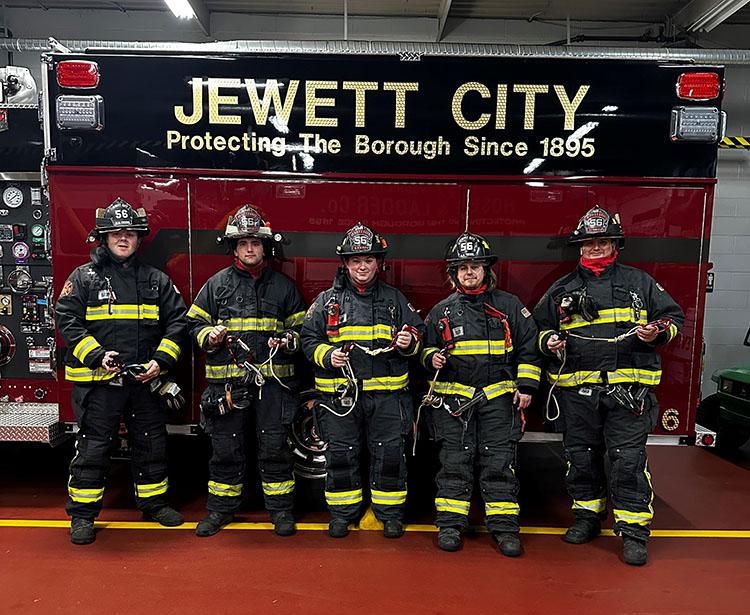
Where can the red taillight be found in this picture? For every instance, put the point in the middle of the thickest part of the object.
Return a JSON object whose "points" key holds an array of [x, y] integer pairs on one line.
{"points": [[698, 86], [707, 439], [77, 74]]}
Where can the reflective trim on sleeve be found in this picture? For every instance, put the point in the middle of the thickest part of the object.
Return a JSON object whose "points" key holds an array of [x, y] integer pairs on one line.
{"points": [[169, 347], [542, 335], [282, 488], [595, 506], [151, 489], [384, 383], [230, 370], [295, 320], [481, 347], [501, 508], [388, 498], [199, 313], [648, 377], [85, 496], [123, 311], [636, 518], [83, 348], [425, 355], [320, 353], [460, 507], [530, 372], [363, 333], [672, 333], [224, 490], [612, 315], [343, 498], [492, 391], [84, 374], [203, 334]]}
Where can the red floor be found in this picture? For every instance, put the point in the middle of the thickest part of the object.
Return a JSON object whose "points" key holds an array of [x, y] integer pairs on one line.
{"points": [[172, 571]]}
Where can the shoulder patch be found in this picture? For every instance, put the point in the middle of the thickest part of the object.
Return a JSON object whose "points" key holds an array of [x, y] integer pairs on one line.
{"points": [[67, 289], [311, 310], [660, 287], [525, 312]]}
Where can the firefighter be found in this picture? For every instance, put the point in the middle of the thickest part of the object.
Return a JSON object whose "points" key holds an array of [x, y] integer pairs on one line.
{"points": [[123, 322], [359, 335], [247, 318], [601, 325], [481, 343]]}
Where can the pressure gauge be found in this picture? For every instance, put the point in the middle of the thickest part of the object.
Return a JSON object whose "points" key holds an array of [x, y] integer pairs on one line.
{"points": [[20, 251], [37, 230], [12, 197]]}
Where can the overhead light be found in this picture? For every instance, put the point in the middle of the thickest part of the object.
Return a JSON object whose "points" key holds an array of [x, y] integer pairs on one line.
{"points": [[705, 15], [181, 9]]}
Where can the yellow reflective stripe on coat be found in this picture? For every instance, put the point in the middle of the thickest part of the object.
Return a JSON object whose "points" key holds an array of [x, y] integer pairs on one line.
{"points": [[84, 347], [230, 370], [252, 324], [635, 518], [320, 352], [574, 379], [85, 496], [343, 498], [151, 489], [542, 335], [501, 508], [295, 320], [169, 347], [123, 311], [454, 388], [530, 372], [388, 498], [492, 391], [480, 347], [199, 314], [649, 377], [460, 507], [281, 488], [203, 334], [363, 333], [383, 383], [596, 506], [84, 374], [224, 490], [607, 316]]}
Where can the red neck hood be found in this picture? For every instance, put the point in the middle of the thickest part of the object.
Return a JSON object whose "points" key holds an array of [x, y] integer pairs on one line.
{"points": [[597, 265], [255, 272]]}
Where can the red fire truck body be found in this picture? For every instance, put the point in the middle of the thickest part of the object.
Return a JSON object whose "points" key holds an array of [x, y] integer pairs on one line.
{"points": [[531, 145]]}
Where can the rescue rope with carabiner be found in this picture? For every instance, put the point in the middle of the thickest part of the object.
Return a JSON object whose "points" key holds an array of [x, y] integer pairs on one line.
{"points": [[258, 378]]}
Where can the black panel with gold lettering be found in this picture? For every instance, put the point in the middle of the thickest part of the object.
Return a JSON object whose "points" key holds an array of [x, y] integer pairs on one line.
{"points": [[442, 116]]}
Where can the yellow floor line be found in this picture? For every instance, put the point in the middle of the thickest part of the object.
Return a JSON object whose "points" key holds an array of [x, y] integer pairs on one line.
{"points": [[190, 525]]}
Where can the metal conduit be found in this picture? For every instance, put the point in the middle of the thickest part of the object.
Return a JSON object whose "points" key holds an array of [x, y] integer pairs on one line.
{"points": [[413, 49]]}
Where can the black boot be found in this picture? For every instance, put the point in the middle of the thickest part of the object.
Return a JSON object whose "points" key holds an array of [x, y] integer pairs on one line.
{"points": [[338, 528], [166, 516], [283, 523], [634, 551], [509, 543], [449, 539], [583, 530], [82, 531], [213, 522], [393, 528]]}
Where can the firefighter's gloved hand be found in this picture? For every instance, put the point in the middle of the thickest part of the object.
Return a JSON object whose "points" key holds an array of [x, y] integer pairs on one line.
{"points": [[339, 358], [521, 400], [555, 343], [152, 371], [110, 361], [439, 360], [216, 337], [647, 333], [403, 339]]}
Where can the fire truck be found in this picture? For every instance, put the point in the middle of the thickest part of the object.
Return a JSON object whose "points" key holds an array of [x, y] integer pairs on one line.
{"points": [[420, 146]]}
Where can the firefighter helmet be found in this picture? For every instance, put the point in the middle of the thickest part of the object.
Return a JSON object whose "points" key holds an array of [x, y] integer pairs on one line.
{"points": [[361, 240], [469, 247], [119, 215], [247, 222], [597, 223]]}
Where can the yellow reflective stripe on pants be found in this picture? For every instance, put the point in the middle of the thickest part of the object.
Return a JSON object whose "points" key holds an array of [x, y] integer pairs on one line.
{"points": [[608, 316], [363, 333], [574, 379], [460, 507], [343, 498], [84, 347], [596, 506], [384, 383], [501, 508], [168, 346], [531, 372], [320, 352], [295, 320], [199, 314], [649, 377], [84, 374], [454, 388], [281, 488], [151, 489], [224, 489], [85, 496], [481, 347], [492, 391], [123, 311], [220, 372], [388, 498], [636, 518]]}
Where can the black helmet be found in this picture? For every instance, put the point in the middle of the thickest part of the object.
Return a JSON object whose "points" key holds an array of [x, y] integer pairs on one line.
{"points": [[118, 216], [361, 240], [597, 223], [469, 247]]}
